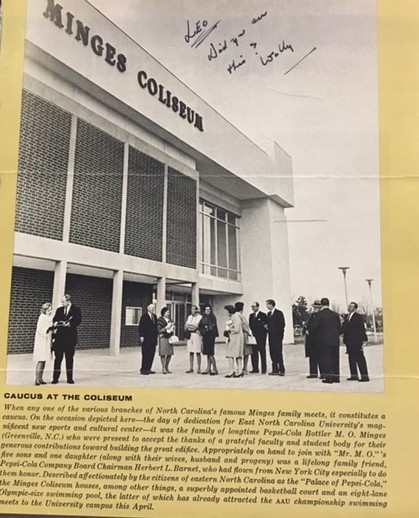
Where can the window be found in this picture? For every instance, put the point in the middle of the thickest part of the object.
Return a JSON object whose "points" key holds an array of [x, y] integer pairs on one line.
{"points": [[132, 316], [219, 255]]}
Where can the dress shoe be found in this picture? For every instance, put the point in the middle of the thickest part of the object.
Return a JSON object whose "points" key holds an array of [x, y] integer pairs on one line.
{"points": [[42, 382], [144, 373], [254, 372], [37, 383], [229, 375], [214, 373], [238, 375], [311, 376], [273, 373], [327, 381], [54, 382], [205, 372], [152, 372], [71, 382], [352, 378], [364, 379], [189, 371], [281, 374]]}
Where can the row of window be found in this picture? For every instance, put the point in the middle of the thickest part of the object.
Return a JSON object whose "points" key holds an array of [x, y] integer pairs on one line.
{"points": [[219, 255]]}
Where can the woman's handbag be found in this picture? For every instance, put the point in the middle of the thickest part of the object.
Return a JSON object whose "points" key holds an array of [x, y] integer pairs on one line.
{"points": [[173, 339]]}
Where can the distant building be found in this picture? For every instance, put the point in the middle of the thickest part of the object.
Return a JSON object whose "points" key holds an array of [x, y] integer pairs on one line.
{"points": [[132, 189]]}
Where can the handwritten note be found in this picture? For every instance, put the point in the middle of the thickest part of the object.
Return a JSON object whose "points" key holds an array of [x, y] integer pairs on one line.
{"points": [[246, 41]]}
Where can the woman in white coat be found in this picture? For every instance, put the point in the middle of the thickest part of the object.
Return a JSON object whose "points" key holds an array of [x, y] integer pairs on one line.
{"points": [[194, 343], [42, 345]]}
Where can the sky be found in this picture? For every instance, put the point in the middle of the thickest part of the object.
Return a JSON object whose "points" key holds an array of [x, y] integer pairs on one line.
{"points": [[302, 73]]}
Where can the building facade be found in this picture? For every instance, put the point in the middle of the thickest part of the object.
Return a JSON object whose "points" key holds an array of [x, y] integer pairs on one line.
{"points": [[132, 189]]}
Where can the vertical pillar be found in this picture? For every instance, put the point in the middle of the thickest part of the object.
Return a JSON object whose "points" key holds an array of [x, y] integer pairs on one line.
{"points": [[70, 179], [124, 199], [59, 283], [264, 228], [195, 293], [117, 286], [164, 226], [161, 294]]}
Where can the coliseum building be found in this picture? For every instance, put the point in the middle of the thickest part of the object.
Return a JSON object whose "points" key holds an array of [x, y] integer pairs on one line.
{"points": [[132, 189]]}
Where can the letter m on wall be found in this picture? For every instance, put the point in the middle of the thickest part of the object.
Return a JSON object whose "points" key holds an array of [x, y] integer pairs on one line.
{"points": [[53, 12]]}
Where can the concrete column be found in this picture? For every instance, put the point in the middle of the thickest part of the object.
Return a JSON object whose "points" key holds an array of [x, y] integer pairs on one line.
{"points": [[116, 314], [164, 225], [70, 179], [124, 199], [58, 291], [195, 293], [265, 258], [161, 294]]}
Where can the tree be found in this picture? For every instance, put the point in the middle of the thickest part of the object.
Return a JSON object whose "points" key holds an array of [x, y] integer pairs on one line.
{"points": [[299, 311]]}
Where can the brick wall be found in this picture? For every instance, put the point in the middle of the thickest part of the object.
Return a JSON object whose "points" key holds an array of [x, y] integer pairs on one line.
{"points": [[144, 221], [30, 289], [134, 295], [181, 220], [97, 190], [93, 295], [42, 170]]}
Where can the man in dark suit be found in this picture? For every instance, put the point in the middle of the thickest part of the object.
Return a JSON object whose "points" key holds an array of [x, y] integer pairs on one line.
{"points": [[311, 345], [276, 326], [258, 323], [66, 320], [147, 329], [327, 326], [355, 337]]}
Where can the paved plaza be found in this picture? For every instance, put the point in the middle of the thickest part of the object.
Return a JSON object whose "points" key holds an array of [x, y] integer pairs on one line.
{"points": [[96, 368]]}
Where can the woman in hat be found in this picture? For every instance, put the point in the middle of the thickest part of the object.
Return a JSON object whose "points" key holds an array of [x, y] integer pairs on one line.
{"points": [[194, 343], [247, 349], [235, 343], [311, 345], [165, 329], [42, 344], [209, 331]]}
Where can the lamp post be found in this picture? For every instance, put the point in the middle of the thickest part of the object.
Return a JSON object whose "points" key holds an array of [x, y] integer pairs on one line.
{"points": [[344, 270], [372, 309]]}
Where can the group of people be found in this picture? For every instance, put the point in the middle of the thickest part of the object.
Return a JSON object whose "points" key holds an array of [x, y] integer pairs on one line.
{"points": [[200, 330], [58, 335], [246, 338], [323, 330]]}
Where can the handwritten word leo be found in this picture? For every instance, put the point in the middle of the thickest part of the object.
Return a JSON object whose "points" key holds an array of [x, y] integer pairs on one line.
{"points": [[199, 32]]}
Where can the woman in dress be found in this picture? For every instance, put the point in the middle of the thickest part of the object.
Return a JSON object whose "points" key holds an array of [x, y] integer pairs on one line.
{"points": [[235, 344], [209, 332], [247, 349], [194, 343], [42, 345], [165, 329]]}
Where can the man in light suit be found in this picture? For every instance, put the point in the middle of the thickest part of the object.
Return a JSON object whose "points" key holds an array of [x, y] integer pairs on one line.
{"points": [[276, 326], [147, 329], [327, 328], [355, 337], [258, 323], [66, 320]]}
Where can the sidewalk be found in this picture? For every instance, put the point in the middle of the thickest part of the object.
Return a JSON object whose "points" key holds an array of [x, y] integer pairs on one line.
{"points": [[96, 368]]}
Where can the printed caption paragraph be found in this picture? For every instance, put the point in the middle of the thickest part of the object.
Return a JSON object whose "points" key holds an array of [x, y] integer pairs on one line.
{"points": [[109, 453]]}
